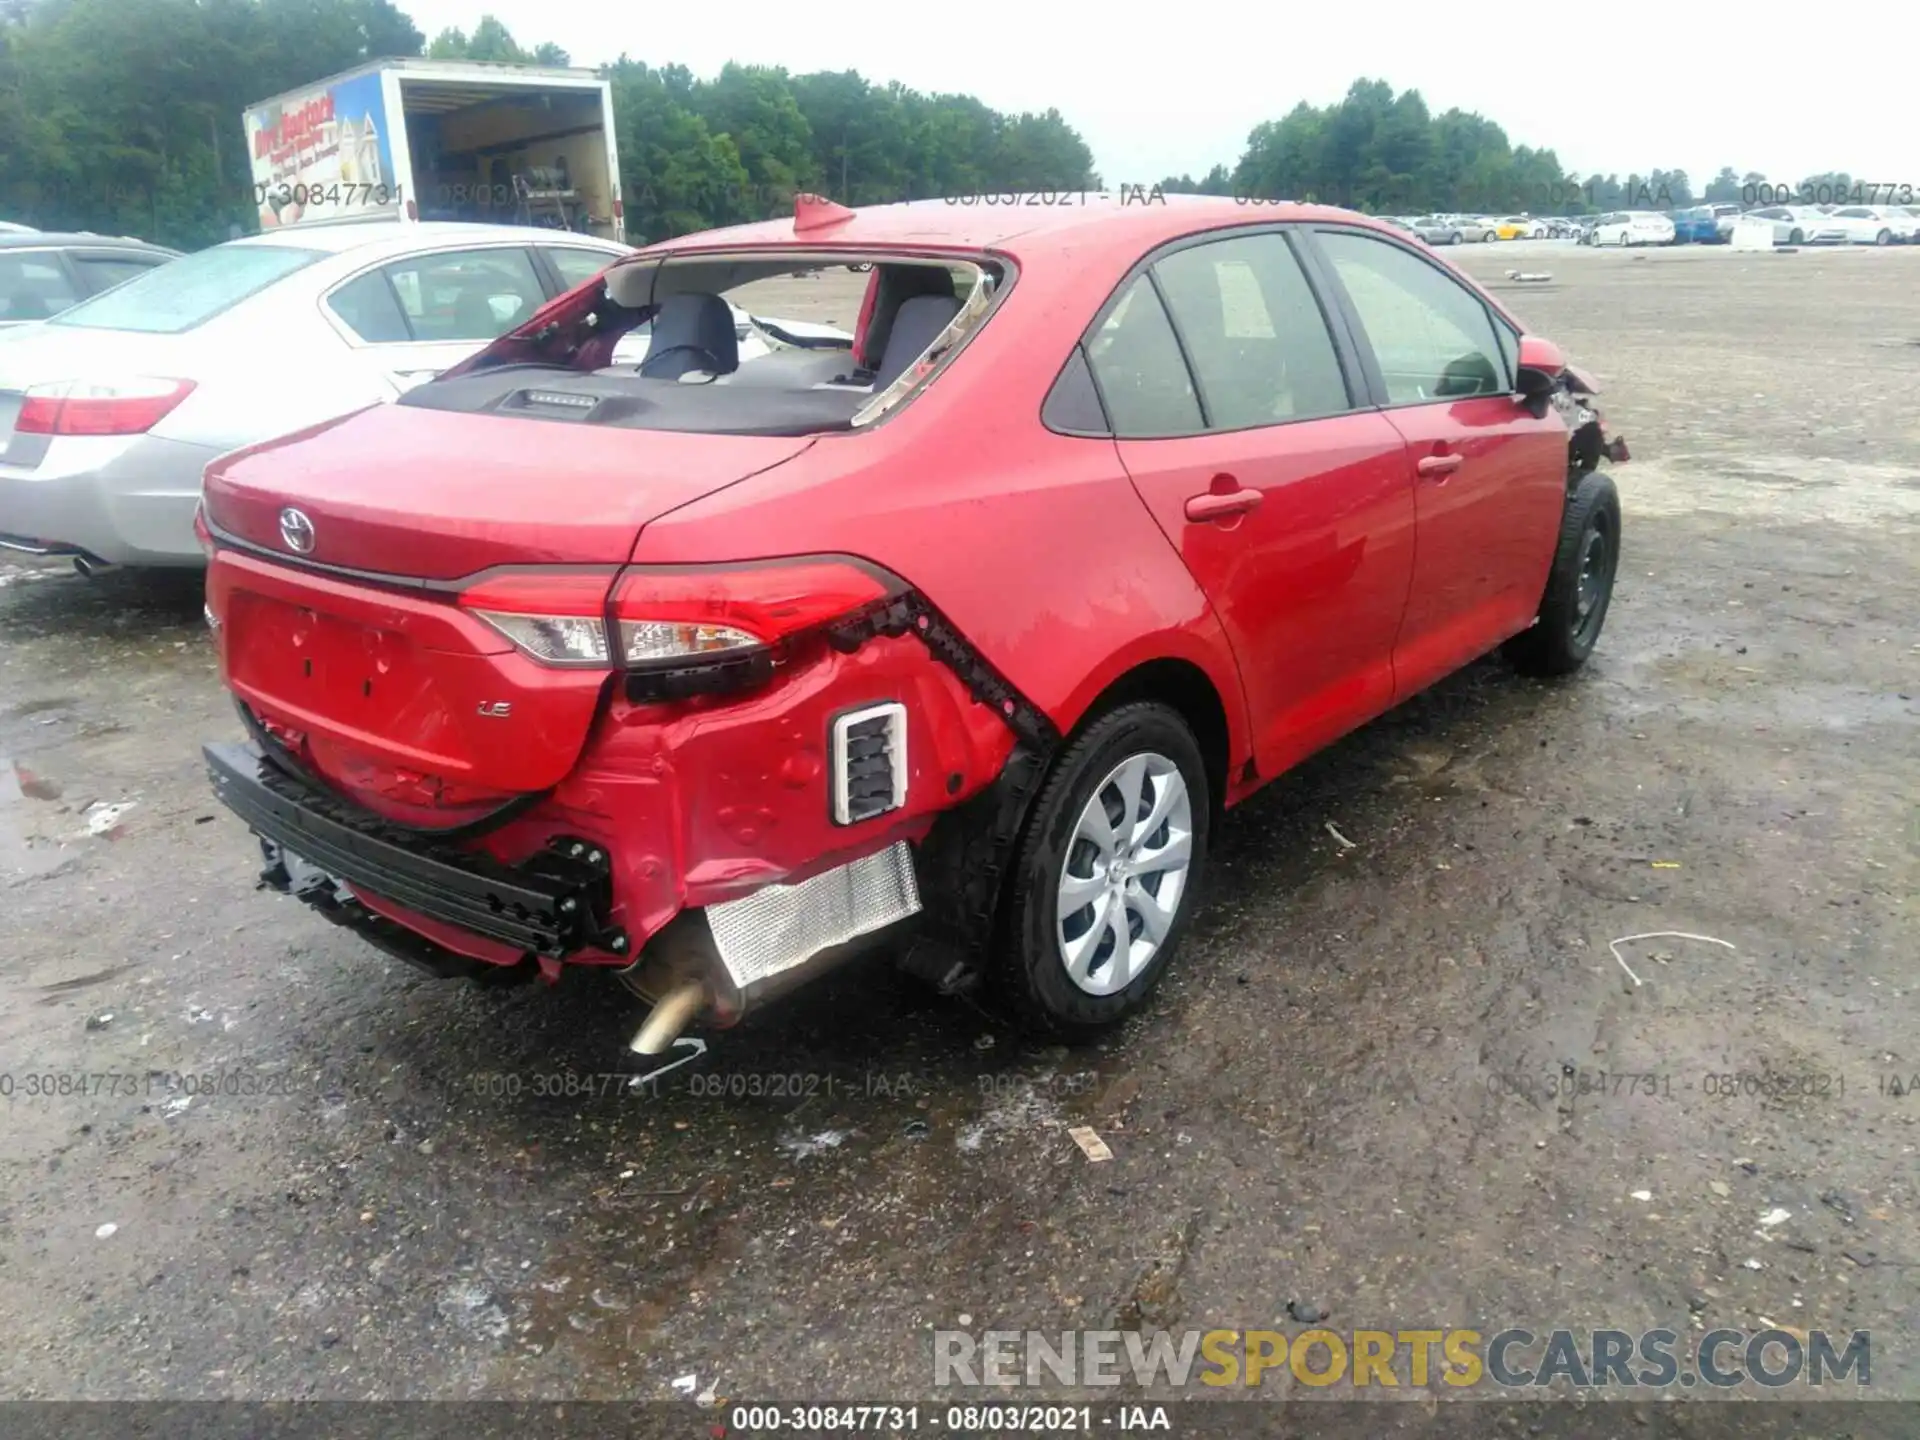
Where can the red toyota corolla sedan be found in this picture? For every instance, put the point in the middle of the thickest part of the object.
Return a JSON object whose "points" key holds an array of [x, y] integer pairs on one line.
{"points": [[960, 635]]}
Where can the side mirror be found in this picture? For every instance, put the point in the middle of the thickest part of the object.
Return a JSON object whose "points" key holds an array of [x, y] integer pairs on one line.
{"points": [[1540, 367]]}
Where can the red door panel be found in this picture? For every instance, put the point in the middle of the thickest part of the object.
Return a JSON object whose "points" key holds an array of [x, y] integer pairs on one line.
{"points": [[1489, 484], [1311, 582]]}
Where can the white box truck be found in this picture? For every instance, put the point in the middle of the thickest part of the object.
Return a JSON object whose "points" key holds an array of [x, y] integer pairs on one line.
{"points": [[440, 140]]}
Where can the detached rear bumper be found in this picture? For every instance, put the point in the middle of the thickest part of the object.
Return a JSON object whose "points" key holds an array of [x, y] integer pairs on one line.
{"points": [[550, 907]]}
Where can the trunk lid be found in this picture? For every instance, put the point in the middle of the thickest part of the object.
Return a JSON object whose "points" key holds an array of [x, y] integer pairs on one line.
{"points": [[431, 495], [385, 687]]}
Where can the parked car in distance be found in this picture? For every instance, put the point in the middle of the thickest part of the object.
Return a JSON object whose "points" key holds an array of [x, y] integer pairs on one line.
{"points": [[1437, 230], [1405, 227], [43, 273], [1874, 224], [706, 675], [1520, 227], [1561, 228], [1792, 224], [1632, 227], [109, 413], [1705, 224], [1472, 229]]}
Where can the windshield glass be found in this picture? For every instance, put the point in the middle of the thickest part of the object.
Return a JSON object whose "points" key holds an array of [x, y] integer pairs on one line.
{"points": [[184, 293]]}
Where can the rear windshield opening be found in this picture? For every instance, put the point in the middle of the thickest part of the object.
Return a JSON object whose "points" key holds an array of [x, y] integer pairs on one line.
{"points": [[185, 293], [740, 344]]}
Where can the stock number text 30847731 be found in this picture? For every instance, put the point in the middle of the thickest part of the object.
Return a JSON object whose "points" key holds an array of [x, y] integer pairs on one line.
{"points": [[336, 193]]}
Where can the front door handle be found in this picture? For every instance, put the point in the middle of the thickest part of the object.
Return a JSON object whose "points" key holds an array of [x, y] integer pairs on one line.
{"points": [[1218, 505], [1439, 465]]}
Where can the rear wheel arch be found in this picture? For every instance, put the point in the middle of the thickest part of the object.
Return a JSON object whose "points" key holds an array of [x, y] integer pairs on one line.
{"points": [[1187, 689]]}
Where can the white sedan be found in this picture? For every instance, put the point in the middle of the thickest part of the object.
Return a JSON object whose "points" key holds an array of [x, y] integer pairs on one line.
{"points": [[1632, 227], [1874, 224], [1795, 224], [110, 411]]}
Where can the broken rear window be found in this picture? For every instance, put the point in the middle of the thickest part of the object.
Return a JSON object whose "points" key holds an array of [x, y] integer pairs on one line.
{"points": [[749, 343]]}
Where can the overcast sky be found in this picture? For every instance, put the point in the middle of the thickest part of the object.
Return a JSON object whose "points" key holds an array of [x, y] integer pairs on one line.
{"points": [[1164, 89]]}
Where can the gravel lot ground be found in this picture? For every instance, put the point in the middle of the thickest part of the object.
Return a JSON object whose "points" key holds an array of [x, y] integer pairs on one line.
{"points": [[1340, 1099]]}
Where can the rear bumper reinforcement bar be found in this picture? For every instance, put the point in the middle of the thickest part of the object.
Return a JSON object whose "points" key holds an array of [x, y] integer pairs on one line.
{"points": [[548, 911]]}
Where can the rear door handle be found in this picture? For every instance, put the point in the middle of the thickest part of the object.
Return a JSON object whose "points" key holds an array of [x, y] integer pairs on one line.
{"points": [[1218, 505], [1442, 465]]}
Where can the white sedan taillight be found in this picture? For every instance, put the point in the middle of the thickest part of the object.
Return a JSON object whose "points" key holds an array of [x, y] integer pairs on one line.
{"points": [[129, 406]]}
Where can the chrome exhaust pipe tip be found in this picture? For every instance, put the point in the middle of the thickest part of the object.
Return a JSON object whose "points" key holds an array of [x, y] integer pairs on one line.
{"points": [[90, 568], [668, 1018]]}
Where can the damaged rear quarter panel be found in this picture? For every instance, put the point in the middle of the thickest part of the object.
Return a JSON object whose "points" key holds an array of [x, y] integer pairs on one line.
{"points": [[698, 803]]}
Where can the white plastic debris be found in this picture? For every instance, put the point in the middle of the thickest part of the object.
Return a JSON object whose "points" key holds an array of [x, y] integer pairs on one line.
{"points": [[105, 1230], [1334, 831], [1775, 1216], [1752, 1264], [686, 1384], [1642, 1195], [1090, 1143], [102, 818]]}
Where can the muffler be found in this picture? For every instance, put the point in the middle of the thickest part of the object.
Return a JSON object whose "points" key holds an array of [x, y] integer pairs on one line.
{"points": [[672, 1014], [737, 953]]}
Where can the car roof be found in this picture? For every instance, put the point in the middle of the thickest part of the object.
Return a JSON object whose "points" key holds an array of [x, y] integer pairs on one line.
{"points": [[73, 239], [403, 236], [1042, 224]]}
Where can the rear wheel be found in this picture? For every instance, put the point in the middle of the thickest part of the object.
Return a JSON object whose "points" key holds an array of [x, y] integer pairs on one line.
{"points": [[1885, 237], [1456, 238], [1107, 871], [1573, 607]]}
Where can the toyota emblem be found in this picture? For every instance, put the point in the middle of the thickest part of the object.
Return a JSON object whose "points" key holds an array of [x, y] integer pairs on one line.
{"points": [[296, 530]]}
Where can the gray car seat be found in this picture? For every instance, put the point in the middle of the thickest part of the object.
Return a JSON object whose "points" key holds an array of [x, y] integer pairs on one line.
{"points": [[692, 332], [916, 324]]}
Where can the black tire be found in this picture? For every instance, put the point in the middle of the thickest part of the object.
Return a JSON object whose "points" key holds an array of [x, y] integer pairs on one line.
{"points": [[1797, 237], [1456, 238], [1034, 979], [1885, 237], [1564, 633]]}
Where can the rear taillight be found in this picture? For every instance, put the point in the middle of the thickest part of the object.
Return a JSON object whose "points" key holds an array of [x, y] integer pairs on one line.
{"points": [[100, 407], [673, 617], [673, 614], [201, 531], [556, 616]]}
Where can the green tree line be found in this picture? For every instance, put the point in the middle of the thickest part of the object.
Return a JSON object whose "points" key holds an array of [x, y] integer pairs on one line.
{"points": [[123, 116]]}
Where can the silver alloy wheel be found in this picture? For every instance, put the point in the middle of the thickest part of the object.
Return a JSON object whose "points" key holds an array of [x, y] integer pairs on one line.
{"points": [[1124, 874]]}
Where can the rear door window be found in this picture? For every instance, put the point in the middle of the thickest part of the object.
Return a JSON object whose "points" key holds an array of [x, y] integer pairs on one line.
{"points": [[33, 287], [1255, 335], [575, 267], [1143, 378], [370, 309], [1431, 337], [469, 295]]}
